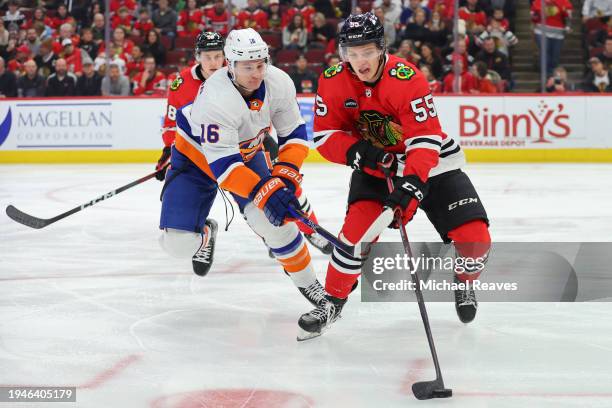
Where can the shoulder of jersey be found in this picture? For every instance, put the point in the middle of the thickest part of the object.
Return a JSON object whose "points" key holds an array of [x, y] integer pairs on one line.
{"points": [[335, 71], [217, 89], [184, 77], [400, 70], [277, 78]]}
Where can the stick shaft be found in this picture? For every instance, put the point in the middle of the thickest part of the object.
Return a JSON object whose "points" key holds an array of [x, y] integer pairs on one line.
{"points": [[348, 249], [417, 285], [35, 222]]}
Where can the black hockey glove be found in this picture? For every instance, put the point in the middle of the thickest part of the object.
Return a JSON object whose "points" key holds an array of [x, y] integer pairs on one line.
{"points": [[163, 162], [406, 189], [363, 154]]}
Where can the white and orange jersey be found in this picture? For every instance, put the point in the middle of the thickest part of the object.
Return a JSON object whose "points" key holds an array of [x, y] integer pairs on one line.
{"points": [[233, 128]]}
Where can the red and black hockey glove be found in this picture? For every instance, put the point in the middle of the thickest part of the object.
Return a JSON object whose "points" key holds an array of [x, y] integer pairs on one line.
{"points": [[274, 198], [289, 174], [163, 162], [363, 154], [409, 191]]}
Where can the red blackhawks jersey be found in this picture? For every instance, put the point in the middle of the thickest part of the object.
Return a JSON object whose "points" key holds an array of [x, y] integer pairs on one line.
{"points": [[183, 91], [397, 113]]}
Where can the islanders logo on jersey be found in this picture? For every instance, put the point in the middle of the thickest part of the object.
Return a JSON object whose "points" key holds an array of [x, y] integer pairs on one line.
{"points": [[249, 148], [379, 129], [401, 72], [176, 83], [332, 71], [255, 104]]}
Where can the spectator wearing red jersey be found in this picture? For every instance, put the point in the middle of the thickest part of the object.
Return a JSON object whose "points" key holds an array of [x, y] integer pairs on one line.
{"points": [[150, 81], [557, 14], [459, 50], [73, 57], [154, 47], [144, 24], [120, 45], [62, 16], [115, 5], [498, 15], [252, 16], [218, 18], [475, 18], [482, 84], [123, 19], [66, 31], [38, 16], [275, 18], [445, 8], [190, 21], [466, 79], [299, 7], [295, 35], [16, 64], [136, 62], [434, 85]]}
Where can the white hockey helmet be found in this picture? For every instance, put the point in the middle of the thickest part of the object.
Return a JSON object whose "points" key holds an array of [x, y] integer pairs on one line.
{"points": [[245, 45]]}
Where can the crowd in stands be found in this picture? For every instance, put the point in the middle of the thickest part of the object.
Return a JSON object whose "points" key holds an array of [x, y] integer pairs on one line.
{"points": [[51, 48]]}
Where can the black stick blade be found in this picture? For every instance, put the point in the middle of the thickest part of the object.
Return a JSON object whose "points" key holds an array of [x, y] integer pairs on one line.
{"points": [[25, 219], [430, 389]]}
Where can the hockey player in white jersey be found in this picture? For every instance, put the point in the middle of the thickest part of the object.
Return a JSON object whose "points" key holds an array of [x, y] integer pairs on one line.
{"points": [[234, 109]]}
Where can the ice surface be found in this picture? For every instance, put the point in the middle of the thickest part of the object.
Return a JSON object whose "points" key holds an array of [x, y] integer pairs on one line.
{"points": [[93, 302]]}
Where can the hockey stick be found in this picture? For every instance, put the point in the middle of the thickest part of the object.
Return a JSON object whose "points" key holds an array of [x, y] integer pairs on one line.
{"points": [[422, 390], [348, 249], [38, 223]]}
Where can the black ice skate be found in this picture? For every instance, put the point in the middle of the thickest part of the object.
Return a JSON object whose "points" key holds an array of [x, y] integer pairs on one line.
{"points": [[314, 293], [315, 322], [465, 303], [320, 243], [203, 258]]}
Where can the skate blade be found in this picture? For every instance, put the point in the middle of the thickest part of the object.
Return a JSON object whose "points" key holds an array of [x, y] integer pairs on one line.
{"points": [[304, 335]]}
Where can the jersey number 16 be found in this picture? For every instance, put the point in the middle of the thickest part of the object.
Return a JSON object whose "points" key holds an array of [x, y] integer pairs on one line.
{"points": [[210, 133]]}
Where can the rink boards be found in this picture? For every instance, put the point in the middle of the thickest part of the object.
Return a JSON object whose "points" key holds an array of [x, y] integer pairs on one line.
{"points": [[500, 128]]}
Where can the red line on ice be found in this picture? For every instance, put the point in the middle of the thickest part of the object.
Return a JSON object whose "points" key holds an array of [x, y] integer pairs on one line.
{"points": [[109, 373]]}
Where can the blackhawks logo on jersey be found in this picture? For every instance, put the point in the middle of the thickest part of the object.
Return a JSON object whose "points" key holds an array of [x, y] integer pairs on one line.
{"points": [[176, 83], [378, 129], [401, 71], [332, 71]]}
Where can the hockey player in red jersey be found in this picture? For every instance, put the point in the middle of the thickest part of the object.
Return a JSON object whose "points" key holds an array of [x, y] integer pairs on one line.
{"points": [[369, 106]]}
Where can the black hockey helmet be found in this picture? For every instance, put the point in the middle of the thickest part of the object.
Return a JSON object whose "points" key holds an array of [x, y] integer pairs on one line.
{"points": [[360, 29], [209, 41]]}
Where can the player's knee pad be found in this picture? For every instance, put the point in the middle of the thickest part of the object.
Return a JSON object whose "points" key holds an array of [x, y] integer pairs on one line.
{"points": [[286, 242], [275, 237], [180, 244]]}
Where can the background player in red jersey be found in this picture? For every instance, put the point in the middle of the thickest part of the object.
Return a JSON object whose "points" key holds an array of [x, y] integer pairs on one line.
{"points": [[186, 199], [367, 107]]}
